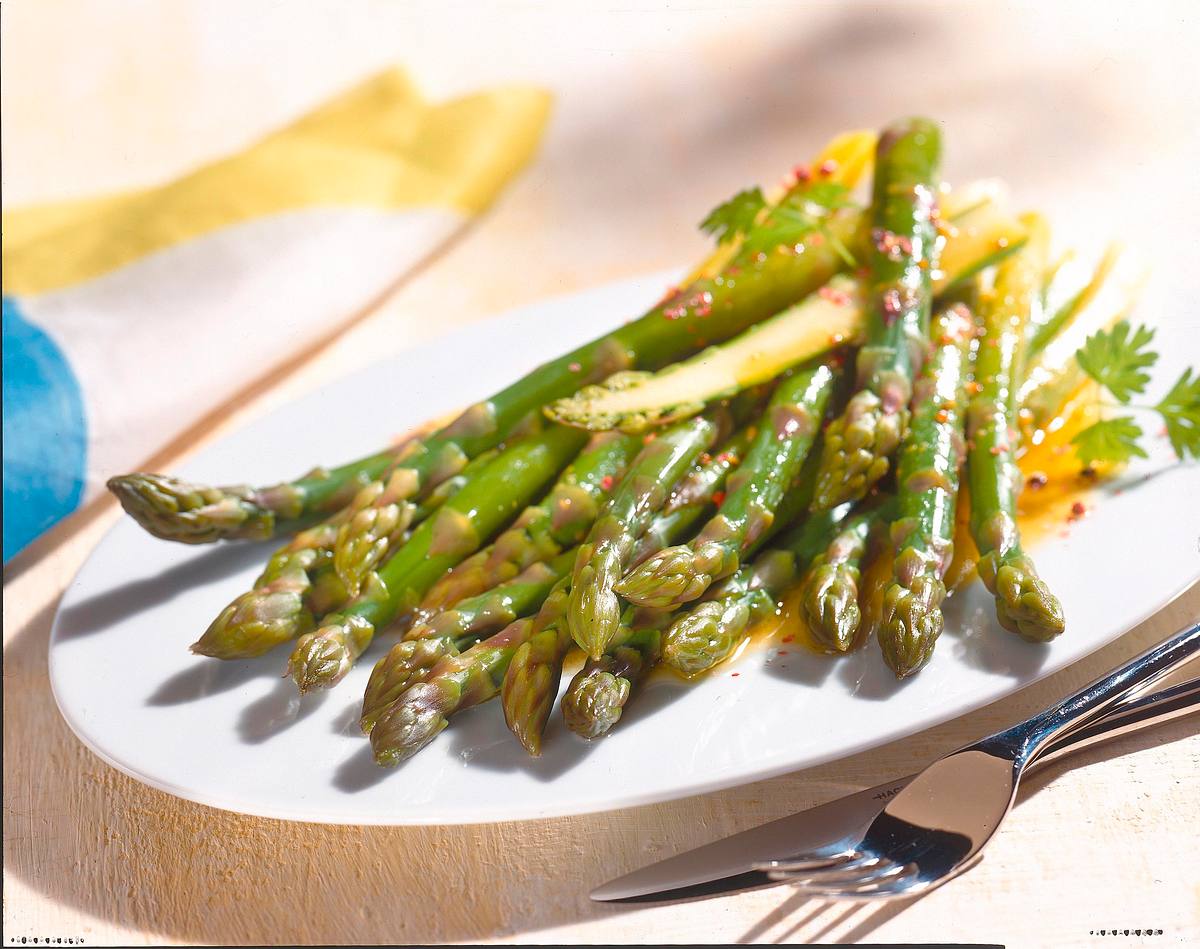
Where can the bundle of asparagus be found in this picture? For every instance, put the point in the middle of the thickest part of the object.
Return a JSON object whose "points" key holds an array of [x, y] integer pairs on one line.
{"points": [[718, 481]]}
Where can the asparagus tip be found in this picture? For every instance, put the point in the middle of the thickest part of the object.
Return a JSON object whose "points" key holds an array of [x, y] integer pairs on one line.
{"points": [[318, 662], [364, 540], [526, 698], [857, 450], [703, 637], [593, 612], [172, 509], [258, 620], [1024, 604], [829, 600], [405, 664], [405, 727], [593, 703], [911, 624], [668, 579]]}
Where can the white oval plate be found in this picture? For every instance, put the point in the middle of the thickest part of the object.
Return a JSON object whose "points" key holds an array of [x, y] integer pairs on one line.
{"points": [[235, 735]]}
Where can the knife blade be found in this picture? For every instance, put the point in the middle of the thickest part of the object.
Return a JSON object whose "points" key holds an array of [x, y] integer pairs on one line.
{"points": [[726, 866]]}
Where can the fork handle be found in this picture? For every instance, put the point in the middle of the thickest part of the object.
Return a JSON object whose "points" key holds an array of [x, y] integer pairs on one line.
{"points": [[1133, 715], [1025, 740]]}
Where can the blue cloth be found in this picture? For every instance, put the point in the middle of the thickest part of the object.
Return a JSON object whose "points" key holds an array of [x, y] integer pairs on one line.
{"points": [[45, 433]]}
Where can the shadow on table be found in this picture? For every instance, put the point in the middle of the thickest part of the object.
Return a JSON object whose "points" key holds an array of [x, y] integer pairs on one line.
{"points": [[797, 915]]}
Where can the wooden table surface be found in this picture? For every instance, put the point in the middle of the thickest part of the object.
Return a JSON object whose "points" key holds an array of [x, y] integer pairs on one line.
{"points": [[1090, 110]]}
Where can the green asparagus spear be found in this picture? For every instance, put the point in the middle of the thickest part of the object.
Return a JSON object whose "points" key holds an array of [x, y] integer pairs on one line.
{"points": [[982, 232], [693, 497], [448, 632], [499, 606], [829, 587], [173, 509], [443, 492], [1024, 604], [455, 683], [385, 510], [927, 493], [636, 401], [713, 307], [542, 531], [594, 611], [531, 682], [461, 525], [594, 700], [785, 435], [405, 664], [735, 289], [903, 252], [381, 514], [297, 585], [710, 632]]}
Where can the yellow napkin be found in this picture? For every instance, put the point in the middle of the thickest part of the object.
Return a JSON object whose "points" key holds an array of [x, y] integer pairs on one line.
{"points": [[129, 317]]}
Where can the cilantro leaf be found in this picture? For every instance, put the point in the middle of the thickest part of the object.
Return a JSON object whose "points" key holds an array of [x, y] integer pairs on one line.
{"points": [[803, 213], [827, 196], [736, 216], [1116, 359], [1113, 439], [784, 226], [1180, 409]]}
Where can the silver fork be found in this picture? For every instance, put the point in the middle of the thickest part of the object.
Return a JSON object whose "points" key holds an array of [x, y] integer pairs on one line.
{"points": [[936, 827]]}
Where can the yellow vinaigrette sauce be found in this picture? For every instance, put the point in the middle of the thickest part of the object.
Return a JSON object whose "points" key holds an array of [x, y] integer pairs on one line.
{"points": [[1055, 495]]}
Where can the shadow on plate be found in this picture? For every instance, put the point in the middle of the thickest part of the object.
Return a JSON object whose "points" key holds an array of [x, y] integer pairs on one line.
{"points": [[345, 722], [360, 772], [798, 664], [277, 711], [978, 640], [98, 613], [487, 743], [480, 738], [865, 675], [493, 747], [207, 677]]}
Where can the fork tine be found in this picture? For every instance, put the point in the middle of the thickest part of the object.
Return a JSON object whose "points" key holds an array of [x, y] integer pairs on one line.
{"points": [[808, 862], [892, 888], [892, 891], [893, 881], [865, 870]]}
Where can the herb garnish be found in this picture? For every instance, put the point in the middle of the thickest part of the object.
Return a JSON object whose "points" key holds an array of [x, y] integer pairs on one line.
{"points": [[1117, 359]]}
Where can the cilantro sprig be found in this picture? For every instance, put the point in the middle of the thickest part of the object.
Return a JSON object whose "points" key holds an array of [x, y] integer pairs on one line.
{"points": [[1114, 439], [736, 216], [762, 227], [1180, 410], [1118, 359]]}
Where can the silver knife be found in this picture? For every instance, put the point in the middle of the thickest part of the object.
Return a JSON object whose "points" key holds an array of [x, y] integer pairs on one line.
{"points": [[726, 866]]}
